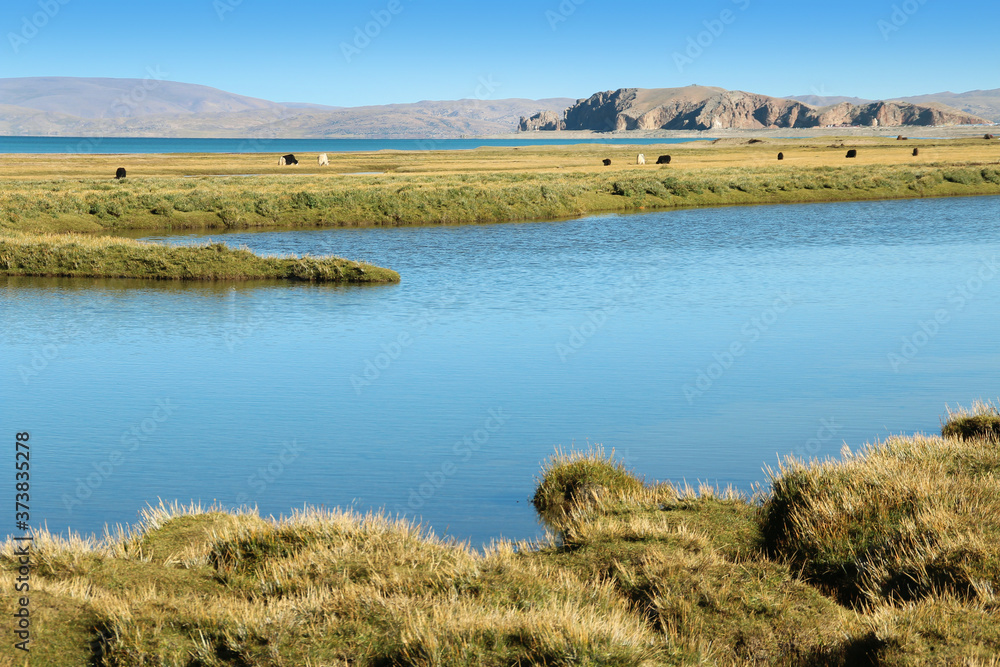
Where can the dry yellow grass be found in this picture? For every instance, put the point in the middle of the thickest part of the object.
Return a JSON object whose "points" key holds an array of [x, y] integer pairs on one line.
{"points": [[581, 158], [886, 558]]}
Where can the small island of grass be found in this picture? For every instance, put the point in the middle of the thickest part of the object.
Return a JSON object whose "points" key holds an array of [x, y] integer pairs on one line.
{"points": [[79, 256], [888, 556]]}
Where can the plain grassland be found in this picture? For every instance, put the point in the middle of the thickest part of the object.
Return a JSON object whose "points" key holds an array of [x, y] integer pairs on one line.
{"points": [[60, 193], [889, 556]]}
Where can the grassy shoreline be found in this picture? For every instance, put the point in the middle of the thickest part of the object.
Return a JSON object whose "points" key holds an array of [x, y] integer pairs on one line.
{"points": [[66, 193], [888, 556], [76, 256]]}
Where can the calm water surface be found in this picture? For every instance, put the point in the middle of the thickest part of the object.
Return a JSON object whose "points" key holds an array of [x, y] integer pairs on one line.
{"points": [[701, 345]]}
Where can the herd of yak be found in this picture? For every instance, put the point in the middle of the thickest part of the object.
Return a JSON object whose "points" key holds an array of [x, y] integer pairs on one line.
{"points": [[324, 160]]}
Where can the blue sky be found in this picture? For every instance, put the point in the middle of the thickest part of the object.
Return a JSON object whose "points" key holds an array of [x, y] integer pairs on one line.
{"points": [[294, 51]]}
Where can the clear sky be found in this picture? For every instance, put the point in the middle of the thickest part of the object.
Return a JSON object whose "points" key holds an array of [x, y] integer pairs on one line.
{"points": [[317, 50]]}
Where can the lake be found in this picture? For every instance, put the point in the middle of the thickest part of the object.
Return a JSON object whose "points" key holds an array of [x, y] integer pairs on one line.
{"points": [[700, 344], [133, 145]]}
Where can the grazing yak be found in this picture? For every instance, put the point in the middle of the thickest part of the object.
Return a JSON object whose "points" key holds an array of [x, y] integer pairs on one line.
{"points": [[324, 161], [120, 174], [641, 159], [287, 160], [607, 162], [663, 159], [781, 156], [852, 153], [916, 152]]}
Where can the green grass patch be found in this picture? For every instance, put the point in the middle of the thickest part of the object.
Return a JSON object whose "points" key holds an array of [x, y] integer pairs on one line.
{"points": [[107, 257]]}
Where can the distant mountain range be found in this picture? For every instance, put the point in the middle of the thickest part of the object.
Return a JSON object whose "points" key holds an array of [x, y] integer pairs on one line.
{"points": [[66, 106], [706, 108]]}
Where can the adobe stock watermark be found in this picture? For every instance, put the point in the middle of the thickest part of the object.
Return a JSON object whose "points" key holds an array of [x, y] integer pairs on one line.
{"points": [[223, 7], [32, 25], [484, 90], [131, 440], [827, 431], [266, 475], [363, 35], [595, 320], [124, 107], [928, 329], [247, 326], [393, 350], [265, 132], [562, 13], [901, 15], [44, 355], [714, 28], [751, 331], [462, 451]]}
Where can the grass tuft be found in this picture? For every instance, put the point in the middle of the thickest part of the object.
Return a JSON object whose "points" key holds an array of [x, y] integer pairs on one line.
{"points": [[980, 421], [574, 481]]}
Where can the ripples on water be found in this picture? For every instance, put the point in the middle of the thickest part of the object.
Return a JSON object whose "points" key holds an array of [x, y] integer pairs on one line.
{"points": [[502, 318]]}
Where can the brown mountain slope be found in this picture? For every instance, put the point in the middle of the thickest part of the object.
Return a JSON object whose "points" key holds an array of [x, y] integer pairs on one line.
{"points": [[67, 106], [428, 119], [122, 98], [700, 108]]}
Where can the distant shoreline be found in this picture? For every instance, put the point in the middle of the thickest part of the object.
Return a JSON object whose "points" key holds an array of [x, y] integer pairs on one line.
{"points": [[91, 143], [45, 145]]}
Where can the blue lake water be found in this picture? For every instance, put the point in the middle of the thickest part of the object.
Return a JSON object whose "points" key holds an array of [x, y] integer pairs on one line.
{"points": [[131, 145], [701, 345]]}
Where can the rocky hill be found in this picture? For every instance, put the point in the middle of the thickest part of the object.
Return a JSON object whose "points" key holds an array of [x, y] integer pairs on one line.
{"points": [[704, 108]]}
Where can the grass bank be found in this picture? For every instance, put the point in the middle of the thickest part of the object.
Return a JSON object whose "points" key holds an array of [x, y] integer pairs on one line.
{"points": [[890, 556], [78, 256], [76, 192]]}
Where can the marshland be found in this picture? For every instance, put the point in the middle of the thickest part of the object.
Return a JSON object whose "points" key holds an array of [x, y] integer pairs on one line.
{"points": [[571, 329]]}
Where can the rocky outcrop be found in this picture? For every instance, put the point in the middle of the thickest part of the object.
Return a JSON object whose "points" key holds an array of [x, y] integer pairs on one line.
{"points": [[543, 120], [696, 108], [602, 111], [894, 114]]}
